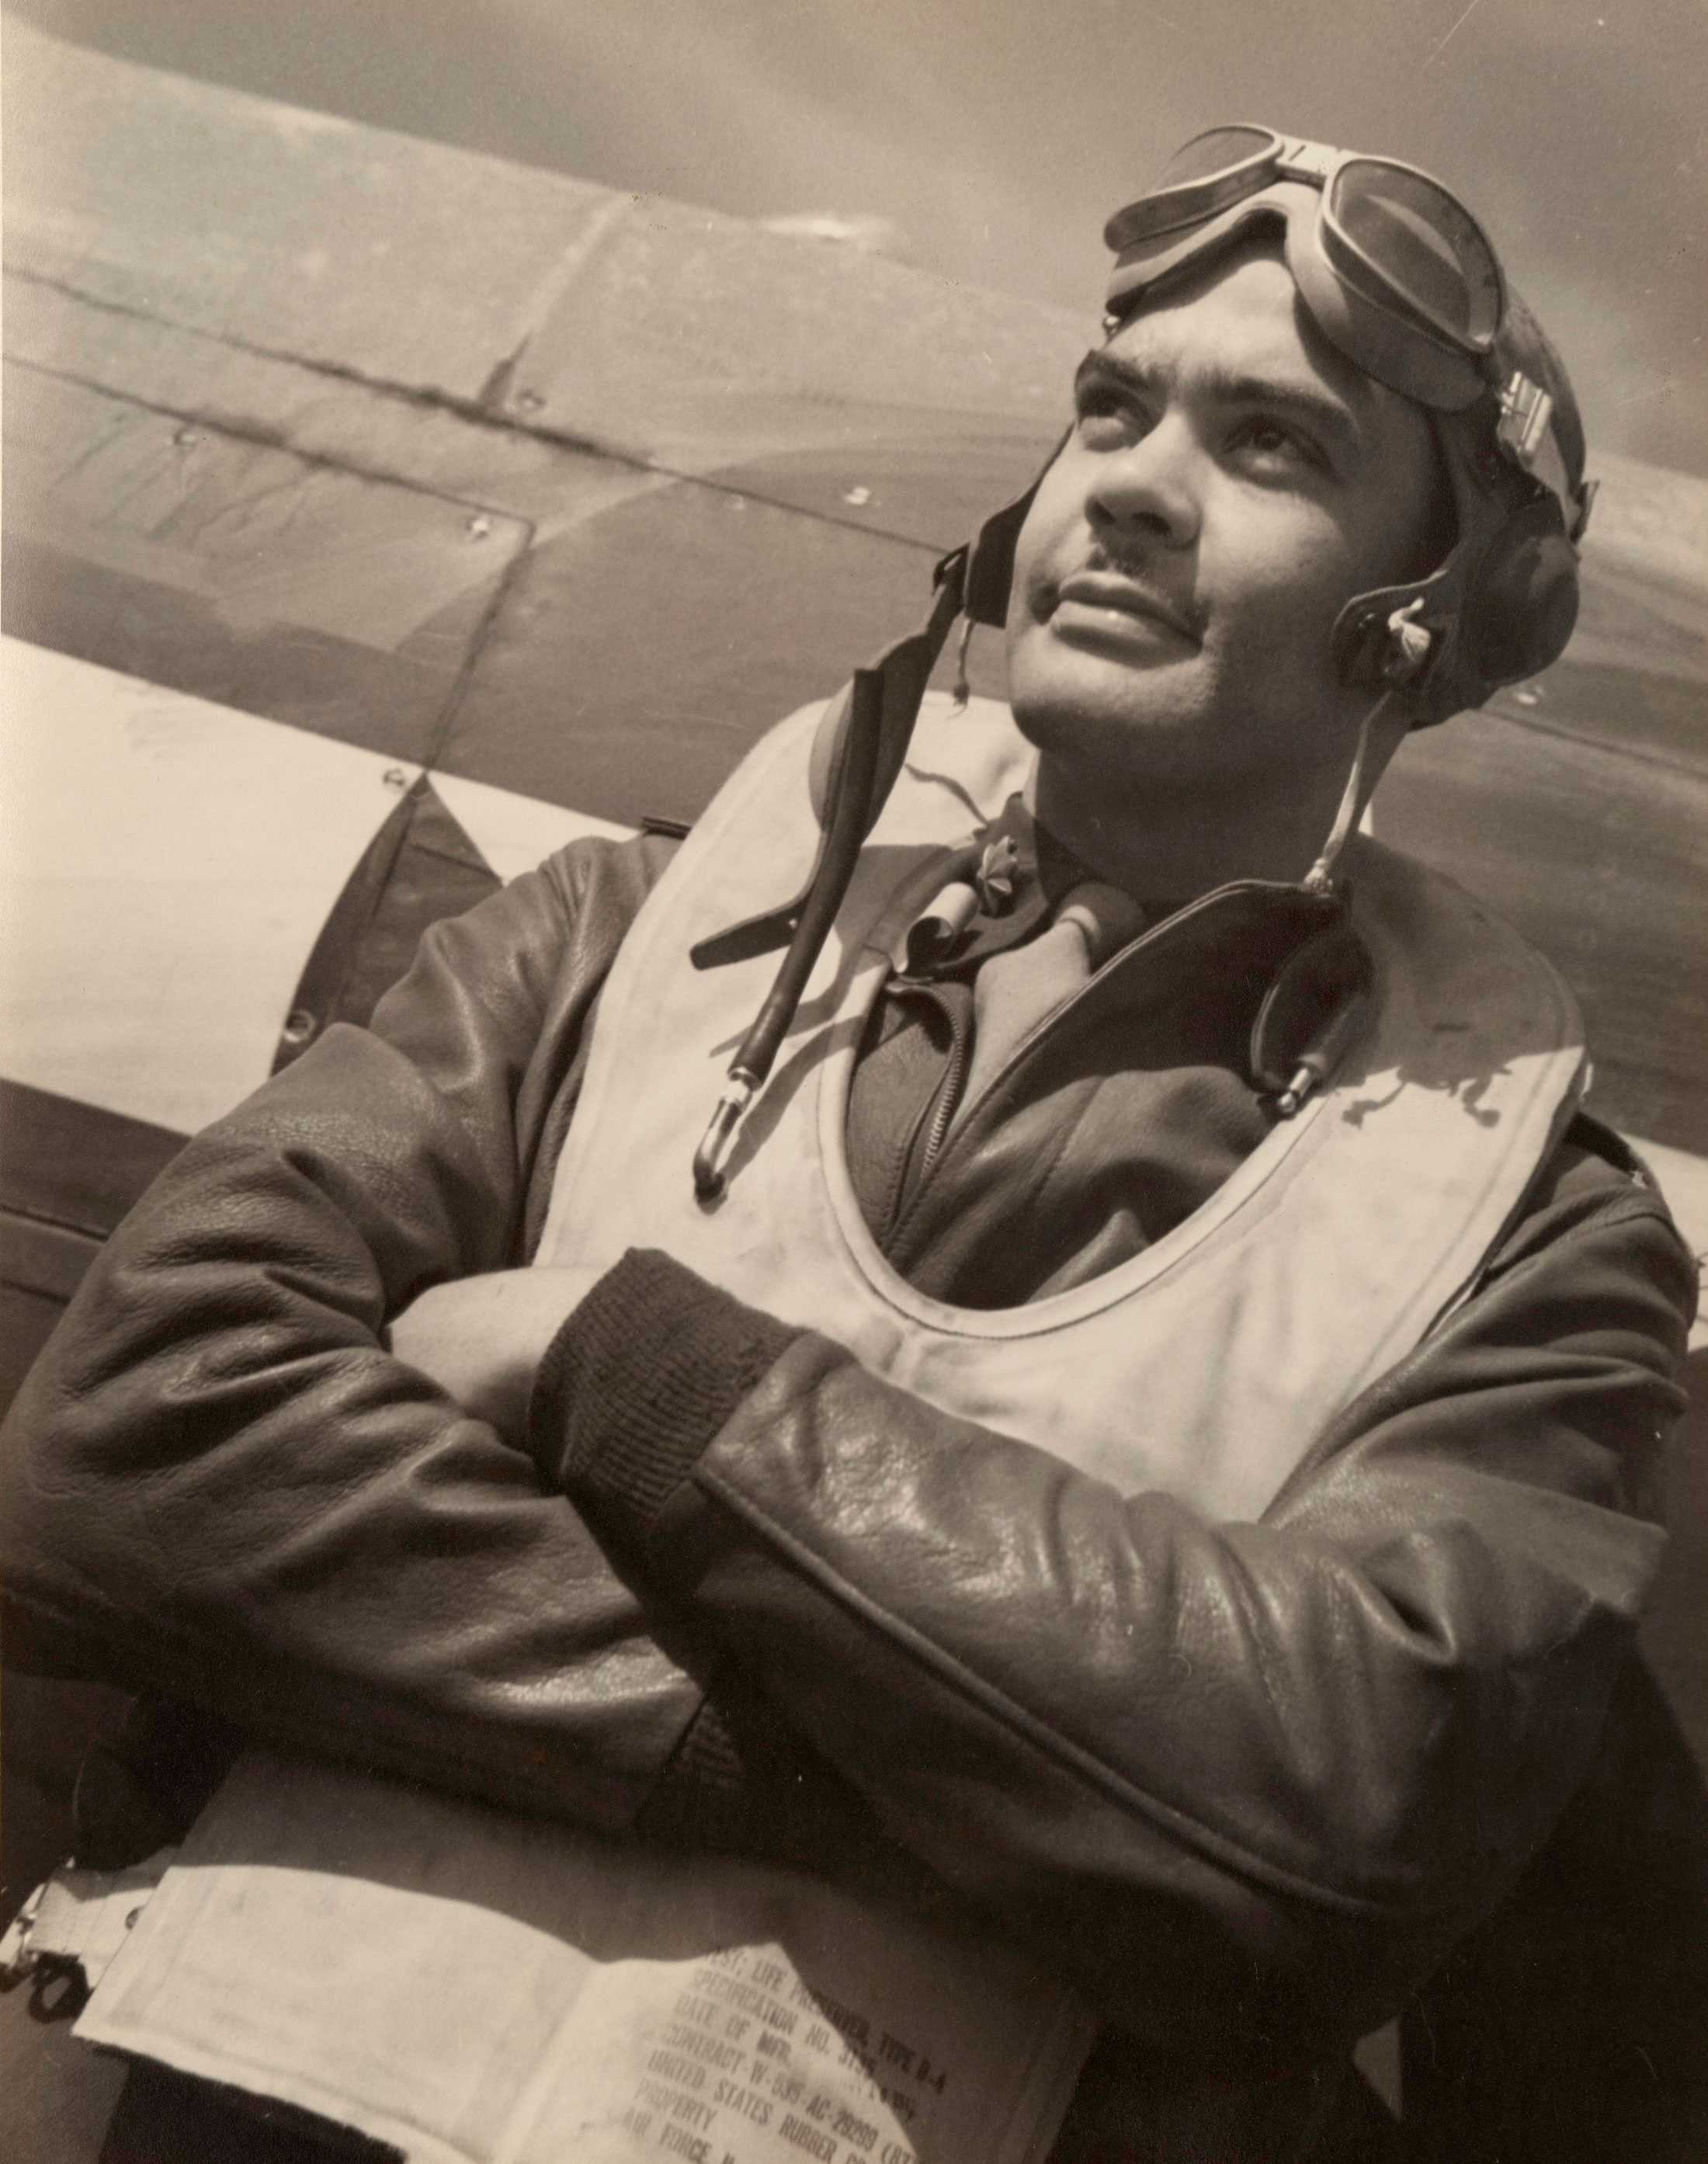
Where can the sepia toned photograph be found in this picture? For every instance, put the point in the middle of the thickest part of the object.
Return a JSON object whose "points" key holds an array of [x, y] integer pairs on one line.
{"points": [[854, 1082]]}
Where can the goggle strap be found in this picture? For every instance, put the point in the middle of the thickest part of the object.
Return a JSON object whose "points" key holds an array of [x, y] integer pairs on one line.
{"points": [[1525, 435], [1525, 410]]}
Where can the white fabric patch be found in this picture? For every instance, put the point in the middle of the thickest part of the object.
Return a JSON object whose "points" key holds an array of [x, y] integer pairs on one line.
{"points": [[167, 866], [514, 833]]}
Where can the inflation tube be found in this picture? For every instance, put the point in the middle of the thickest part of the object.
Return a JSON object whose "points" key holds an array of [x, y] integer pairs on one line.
{"points": [[882, 705], [855, 768]]}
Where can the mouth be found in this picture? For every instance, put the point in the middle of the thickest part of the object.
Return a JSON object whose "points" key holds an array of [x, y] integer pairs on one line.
{"points": [[1107, 607]]}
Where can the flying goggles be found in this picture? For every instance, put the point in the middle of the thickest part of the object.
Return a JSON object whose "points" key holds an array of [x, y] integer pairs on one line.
{"points": [[1402, 279], [1394, 270]]}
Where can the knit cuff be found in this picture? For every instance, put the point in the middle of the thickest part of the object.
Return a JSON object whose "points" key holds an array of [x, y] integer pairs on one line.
{"points": [[638, 1382]]}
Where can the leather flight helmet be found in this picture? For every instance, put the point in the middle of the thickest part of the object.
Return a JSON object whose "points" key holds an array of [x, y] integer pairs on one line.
{"points": [[1502, 602]]}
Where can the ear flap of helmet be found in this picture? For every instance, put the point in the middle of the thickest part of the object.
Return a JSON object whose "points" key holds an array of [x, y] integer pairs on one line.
{"points": [[990, 573], [1525, 600], [973, 582], [976, 580], [861, 742]]}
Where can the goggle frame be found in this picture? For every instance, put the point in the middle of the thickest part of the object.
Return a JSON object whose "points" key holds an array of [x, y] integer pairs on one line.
{"points": [[1323, 167]]}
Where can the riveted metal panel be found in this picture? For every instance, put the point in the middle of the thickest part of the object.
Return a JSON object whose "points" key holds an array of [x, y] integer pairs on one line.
{"points": [[400, 260], [226, 567]]}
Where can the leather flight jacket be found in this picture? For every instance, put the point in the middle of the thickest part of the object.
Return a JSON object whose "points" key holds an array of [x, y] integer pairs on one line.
{"points": [[1246, 1783]]}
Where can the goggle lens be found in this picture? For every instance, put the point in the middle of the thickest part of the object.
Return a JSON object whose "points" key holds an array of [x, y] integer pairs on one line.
{"points": [[1217, 152], [1427, 249], [1209, 173]]}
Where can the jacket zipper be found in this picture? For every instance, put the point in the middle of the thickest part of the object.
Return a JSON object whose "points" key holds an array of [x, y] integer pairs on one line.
{"points": [[931, 1122], [943, 1112]]}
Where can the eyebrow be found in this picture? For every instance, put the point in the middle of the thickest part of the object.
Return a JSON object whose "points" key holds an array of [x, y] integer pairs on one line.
{"points": [[1337, 418]]}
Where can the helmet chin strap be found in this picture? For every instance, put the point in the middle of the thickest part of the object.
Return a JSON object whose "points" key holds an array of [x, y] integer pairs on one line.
{"points": [[1409, 645]]}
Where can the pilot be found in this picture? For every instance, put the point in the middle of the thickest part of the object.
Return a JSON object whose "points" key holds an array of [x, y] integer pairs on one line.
{"points": [[1138, 1419]]}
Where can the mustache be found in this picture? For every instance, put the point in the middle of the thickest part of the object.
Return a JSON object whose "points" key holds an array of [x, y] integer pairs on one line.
{"points": [[1121, 583]]}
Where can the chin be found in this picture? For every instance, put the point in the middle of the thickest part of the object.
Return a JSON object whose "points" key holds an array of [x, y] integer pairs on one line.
{"points": [[1178, 722], [1098, 709]]}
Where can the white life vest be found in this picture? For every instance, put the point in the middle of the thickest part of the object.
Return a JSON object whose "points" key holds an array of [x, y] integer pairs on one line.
{"points": [[1207, 1365]]}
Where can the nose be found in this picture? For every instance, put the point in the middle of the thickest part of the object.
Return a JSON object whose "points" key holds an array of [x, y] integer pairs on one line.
{"points": [[1147, 488]]}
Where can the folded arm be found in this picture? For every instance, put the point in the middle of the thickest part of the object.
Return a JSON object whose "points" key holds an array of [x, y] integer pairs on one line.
{"points": [[1273, 1768], [221, 1483]]}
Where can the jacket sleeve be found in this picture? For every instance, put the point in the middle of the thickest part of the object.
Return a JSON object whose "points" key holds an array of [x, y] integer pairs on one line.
{"points": [[1266, 1771], [218, 1483]]}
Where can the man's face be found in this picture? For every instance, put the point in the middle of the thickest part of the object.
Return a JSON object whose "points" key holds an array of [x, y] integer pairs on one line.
{"points": [[1230, 483]]}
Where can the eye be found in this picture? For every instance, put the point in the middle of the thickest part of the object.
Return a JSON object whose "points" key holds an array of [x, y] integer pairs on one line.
{"points": [[1102, 430], [1105, 415], [1275, 444]]}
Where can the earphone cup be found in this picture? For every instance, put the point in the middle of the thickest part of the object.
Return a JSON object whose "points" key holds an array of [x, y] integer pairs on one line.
{"points": [[1524, 603]]}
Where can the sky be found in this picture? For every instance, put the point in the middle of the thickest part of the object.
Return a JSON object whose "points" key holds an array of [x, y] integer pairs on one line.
{"points": [[991, 137]]}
